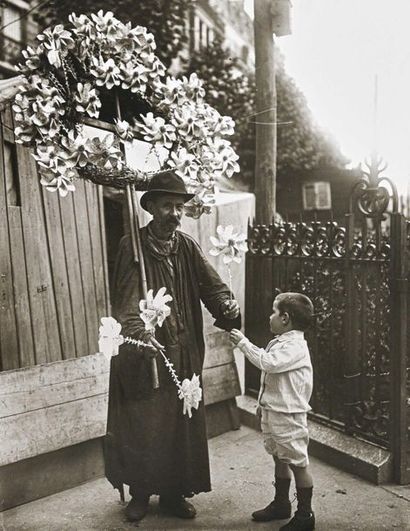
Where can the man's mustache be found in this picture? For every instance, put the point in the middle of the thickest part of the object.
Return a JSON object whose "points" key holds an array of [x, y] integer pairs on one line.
{"points": [[173, 221]]}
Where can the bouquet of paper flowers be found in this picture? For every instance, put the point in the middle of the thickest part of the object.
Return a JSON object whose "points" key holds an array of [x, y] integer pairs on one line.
{"points": [[153, 311]]}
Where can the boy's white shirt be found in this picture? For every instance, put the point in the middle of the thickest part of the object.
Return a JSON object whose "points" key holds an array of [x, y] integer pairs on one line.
{"points": [[287, 375]]}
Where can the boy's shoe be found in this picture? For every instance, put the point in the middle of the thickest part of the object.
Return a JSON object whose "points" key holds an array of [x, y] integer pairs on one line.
{"points": [[300, 523], [273, 511], [137, 508], [177, 506]]}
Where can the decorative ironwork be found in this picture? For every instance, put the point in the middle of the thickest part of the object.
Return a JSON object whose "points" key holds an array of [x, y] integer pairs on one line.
{"points": [[298, 239], [349, 282], [369, 196], [357, 278]]}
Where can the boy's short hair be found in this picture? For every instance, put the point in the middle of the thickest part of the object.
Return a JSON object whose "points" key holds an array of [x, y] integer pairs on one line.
{"points": [[298, 306]]}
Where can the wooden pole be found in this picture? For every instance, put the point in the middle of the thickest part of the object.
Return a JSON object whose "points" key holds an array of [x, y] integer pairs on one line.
{"points": [[136, 244], [265, 166]]}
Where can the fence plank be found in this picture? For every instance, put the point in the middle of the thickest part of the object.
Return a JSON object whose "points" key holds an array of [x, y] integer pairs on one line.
{"points": [[101, 217], [59, 273], [74, 276], [8, 331], [85, 259], [21, 298], [91, 191], [49, 429]]}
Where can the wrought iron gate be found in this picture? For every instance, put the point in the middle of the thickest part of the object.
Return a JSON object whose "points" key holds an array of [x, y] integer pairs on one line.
{"points": [[357, 278]]}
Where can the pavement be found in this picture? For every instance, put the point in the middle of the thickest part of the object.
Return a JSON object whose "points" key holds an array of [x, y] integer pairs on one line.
{"points": [[242, 474]]}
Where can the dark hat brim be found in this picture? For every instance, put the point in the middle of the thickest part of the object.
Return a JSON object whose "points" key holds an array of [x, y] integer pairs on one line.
{"points": [[152, 193]]}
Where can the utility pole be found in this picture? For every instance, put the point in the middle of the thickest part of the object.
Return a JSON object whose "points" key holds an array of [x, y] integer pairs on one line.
{"points": [[270, 16]]}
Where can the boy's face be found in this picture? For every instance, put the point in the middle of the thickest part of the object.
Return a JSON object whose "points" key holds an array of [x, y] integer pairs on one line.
{"points": [[276, 321]]}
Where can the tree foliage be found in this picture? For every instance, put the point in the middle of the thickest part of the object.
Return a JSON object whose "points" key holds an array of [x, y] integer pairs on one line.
{"points": [[164, 18], [301, 144], [232, 93]]}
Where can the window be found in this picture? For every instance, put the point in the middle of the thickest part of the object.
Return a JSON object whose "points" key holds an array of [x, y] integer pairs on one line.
{"points": [[12, 37], [317, 196], [197, 33]]}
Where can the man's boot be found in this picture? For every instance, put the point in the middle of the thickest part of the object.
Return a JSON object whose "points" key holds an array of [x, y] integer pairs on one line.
{"points": [[137, 508], [304, 519], [177, 505], [280, 507]]}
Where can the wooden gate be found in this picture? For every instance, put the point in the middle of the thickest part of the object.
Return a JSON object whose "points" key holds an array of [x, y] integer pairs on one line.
{"points": [[357, 278]]}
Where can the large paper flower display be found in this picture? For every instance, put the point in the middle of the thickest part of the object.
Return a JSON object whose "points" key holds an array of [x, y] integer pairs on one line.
{"points": [[73, 69]]}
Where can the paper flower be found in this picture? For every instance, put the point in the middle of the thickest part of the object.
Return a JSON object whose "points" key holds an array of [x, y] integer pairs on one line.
{"points": [[185, 164], [154, 310], [110, 337], [229, 243], [79, 148], [191, 393], [87, 100], [200, 204], [123, 129], [61, 183], [134, 78], [106, 72], [155, 130]]}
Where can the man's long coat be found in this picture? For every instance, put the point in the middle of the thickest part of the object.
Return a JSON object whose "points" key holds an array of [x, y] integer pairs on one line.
{"points": [[150, 445]]}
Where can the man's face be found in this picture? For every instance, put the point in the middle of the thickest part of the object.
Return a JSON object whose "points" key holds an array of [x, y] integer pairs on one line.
{"points": [[167, 211], [276, 320]]}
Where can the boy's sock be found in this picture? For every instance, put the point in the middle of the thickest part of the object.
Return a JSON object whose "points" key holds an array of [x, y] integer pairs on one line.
{"points": [[280, 507]]}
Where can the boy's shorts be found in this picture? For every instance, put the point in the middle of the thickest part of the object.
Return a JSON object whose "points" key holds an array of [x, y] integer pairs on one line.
{"points": [[286, 436]]}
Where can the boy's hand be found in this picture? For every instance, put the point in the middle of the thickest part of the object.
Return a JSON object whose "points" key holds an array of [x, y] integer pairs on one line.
{"points": [[235, 336]]}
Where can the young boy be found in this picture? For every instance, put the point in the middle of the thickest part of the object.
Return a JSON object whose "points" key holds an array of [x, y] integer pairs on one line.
{"points": [[286, 388]]}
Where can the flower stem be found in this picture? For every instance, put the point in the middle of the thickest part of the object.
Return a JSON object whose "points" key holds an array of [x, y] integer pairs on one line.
{"points": [[171, 369], [230, 282], [169, 365]]}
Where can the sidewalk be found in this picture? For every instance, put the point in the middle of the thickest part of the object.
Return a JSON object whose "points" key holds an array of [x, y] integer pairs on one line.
{"points": [[242, 475]]}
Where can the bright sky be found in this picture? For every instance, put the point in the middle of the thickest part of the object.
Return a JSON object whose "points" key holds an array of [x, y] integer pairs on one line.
{"points": [[336, 49]]}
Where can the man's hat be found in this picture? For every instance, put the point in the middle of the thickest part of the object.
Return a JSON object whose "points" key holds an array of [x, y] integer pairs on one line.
{"points": [[165, 182]]}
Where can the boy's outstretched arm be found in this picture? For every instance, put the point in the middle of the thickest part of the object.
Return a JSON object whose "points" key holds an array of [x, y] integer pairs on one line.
{"points": [[276, 359]]}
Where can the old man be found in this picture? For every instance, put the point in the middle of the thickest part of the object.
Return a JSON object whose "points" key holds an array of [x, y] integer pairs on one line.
{"points": [[150, 445]]}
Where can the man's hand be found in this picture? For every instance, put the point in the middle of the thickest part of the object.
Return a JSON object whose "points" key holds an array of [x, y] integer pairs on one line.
{"points": [[230, 309], [153, 346], [150, 352], [235, 336]]}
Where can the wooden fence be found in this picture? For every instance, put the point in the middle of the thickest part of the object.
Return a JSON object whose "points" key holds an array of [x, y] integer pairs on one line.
{"points": [[53, 283]]}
